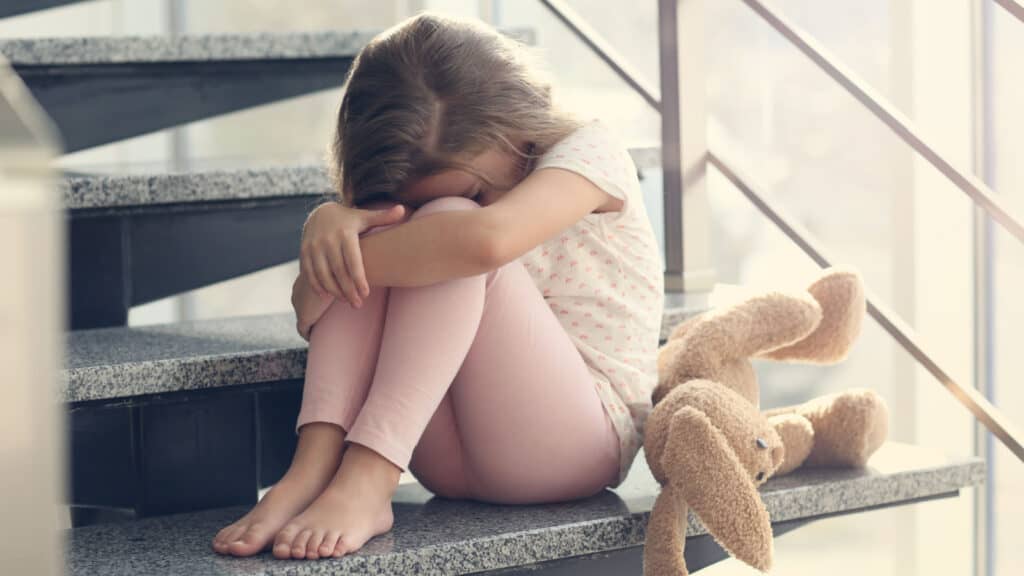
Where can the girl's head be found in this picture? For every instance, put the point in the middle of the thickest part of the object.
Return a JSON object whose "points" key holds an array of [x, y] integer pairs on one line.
{"points": [[441, 106]]}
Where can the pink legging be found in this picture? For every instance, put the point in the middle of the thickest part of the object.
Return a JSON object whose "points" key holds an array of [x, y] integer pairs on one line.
{"points": [[472, 384]]}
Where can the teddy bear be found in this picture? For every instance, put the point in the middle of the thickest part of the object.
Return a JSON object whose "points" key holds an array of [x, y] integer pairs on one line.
{"points": [[709, 445]]}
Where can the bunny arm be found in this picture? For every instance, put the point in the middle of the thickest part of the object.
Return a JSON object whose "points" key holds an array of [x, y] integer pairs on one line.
{"points": [[797, 435]]}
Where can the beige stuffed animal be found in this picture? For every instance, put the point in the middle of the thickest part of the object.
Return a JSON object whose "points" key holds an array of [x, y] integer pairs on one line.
{"points": [[708, 444]]}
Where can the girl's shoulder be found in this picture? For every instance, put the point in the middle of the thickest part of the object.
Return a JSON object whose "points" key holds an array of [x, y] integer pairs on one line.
{"points": [[594, 148], [593, 138]]}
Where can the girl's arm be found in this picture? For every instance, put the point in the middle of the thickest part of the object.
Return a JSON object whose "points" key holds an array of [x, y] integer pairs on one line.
{"points": [[428, 249], [458, 243]]}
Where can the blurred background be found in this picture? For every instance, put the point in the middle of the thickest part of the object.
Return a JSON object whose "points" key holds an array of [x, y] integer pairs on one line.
{"points": [[828, 161]]}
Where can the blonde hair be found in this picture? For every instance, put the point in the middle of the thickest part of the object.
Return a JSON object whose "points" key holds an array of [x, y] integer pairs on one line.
{"points": [[429, 89]]}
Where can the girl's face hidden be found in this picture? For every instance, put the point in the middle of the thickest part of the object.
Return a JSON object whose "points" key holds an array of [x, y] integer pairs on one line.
{"points": [[503, 168]]}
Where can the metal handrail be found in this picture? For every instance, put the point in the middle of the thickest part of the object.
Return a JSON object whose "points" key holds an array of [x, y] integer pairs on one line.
{"points": [[887, 113], [1013, 7], [983, 410], [578, 26]]}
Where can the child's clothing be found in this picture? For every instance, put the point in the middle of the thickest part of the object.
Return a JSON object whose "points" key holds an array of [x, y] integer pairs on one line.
{"points": [[476, 388], [484, 386], [604, 279]]}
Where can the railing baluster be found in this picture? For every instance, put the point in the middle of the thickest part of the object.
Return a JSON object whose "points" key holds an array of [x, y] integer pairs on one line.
{"points": [[1013, 7]]}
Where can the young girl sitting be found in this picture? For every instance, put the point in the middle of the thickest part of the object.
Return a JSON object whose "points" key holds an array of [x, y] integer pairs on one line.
{"points": [[507, 350]]}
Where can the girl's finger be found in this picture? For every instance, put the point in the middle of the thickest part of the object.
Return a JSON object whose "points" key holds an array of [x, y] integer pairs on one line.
{"points": [[354, 260], [341, 273], [324, 274], [307, 270]]}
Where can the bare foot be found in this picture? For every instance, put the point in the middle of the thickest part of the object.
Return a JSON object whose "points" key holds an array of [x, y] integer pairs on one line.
{"points": [[355, 507], [316, 460]]}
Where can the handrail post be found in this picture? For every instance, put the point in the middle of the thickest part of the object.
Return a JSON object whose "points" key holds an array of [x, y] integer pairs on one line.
{"points": [[686, 210]]}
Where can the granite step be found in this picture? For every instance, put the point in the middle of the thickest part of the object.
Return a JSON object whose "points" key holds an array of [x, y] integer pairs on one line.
{"points": [[113, 364], [603, 534], [106, 88], [98, 191]]}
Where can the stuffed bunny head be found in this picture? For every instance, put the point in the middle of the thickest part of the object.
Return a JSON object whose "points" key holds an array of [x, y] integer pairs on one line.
{"points": [[740, 434], [710, 449]]}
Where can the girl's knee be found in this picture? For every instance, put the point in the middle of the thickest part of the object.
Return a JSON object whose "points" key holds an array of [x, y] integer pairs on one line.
{"points": [[445, 204]]}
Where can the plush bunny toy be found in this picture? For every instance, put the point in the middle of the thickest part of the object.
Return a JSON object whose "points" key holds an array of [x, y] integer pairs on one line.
{"points": [[708, 444]]}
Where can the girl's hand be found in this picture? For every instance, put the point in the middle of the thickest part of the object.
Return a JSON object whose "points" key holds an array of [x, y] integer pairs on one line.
{"points": [[329, 256], [309, 306]]}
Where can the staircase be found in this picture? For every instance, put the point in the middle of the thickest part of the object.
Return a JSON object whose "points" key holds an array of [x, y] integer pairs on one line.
{"points": [[175, 427]]}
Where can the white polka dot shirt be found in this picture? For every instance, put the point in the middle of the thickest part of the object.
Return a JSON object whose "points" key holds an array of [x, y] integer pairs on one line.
{"points": [[603, 278]]}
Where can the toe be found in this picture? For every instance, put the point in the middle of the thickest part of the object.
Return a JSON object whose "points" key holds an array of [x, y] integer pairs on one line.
{"points": [[249, 541], [330, 541], [225, 536], [341, 548], [283, 541], [313, 546], [299, 544], [222, 533]]}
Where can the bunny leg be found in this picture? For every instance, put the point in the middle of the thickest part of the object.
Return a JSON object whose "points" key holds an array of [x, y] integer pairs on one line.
{"points": [[848, 427]]}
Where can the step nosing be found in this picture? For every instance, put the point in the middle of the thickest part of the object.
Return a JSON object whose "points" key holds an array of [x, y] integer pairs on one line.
{"points": [[118, 363], [112, 191], [192, 48]]}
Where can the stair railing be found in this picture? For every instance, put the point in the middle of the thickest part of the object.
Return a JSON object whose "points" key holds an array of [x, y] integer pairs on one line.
{"points": [[990, 416], [1013, 7]]}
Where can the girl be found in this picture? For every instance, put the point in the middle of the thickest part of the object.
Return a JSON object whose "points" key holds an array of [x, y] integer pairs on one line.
{"points": [[507, 351]]}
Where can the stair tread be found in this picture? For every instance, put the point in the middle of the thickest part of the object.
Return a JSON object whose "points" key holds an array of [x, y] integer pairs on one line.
{"points": [[462, 536], [123, 362], [91, 191], [114, 50]]}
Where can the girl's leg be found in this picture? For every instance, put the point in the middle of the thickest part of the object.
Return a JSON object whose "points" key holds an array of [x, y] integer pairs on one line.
{"points": [[522, 421], [428, 333], [343, 347]]}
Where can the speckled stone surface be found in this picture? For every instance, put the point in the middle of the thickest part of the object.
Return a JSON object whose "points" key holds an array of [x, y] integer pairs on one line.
{"points": [[438, 536], [108, 363], [194, 48], [111, 191]]}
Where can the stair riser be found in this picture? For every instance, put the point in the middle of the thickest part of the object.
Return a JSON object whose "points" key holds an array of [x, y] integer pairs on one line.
{"points": [[99, 104], [15, 7], [116, 262]]}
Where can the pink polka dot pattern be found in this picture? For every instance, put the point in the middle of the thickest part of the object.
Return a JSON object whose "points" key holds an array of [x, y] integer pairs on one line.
{"points": [[603, 279]]}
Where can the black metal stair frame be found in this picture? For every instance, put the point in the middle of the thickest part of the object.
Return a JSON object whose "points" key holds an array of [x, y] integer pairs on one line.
{"points": [[16, 7]]}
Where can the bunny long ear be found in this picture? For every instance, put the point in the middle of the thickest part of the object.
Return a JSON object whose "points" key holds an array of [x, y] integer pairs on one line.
{"points": [[711, 479], [666, 535]]}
